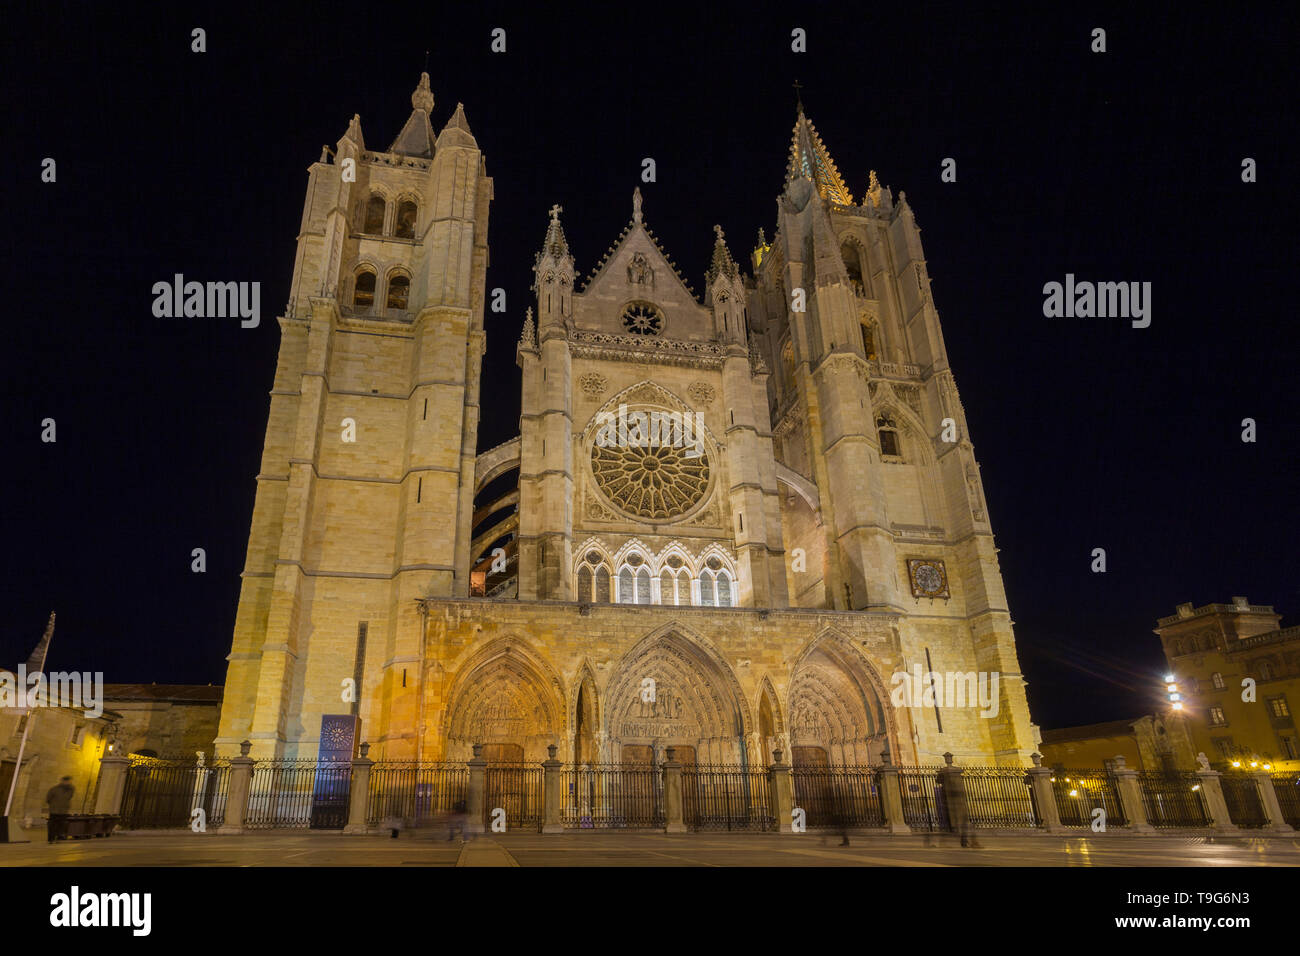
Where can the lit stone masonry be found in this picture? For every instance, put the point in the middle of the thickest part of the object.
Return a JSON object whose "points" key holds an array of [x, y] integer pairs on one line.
{"points": [[792, 528]]}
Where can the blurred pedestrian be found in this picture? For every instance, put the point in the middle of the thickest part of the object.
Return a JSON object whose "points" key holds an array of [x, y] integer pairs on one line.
{"points": [[59, 798]]}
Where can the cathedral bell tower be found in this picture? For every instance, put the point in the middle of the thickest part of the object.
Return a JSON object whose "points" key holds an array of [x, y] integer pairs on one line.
{"points": [[365, 490]]}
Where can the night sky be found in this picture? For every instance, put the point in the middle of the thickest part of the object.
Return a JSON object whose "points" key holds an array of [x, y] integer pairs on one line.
{"points": [[1122, 166]]}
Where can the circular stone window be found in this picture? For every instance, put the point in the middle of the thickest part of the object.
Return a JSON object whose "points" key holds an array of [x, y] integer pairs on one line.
{"points": [[657, 482], [642, 318]]}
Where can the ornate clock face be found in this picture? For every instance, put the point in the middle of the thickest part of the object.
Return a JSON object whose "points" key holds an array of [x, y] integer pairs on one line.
{"points": [[929, 578]]}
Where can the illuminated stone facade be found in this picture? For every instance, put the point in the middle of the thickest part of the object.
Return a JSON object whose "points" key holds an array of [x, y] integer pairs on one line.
{"points": [[737, 514]]}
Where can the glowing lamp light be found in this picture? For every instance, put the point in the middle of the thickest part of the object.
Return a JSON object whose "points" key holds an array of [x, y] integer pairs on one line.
{"points": [[1254, 763], [1268, 766], [1172, 688], [1175, 696], [1169, 678], [1177, 706], [1195, 788], [1236, 763], [1074, 793]]}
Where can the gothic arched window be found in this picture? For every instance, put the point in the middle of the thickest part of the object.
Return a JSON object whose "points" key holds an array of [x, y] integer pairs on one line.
{"points": [[853, 266], [399, 291], [363, 294], [375, 210], [889, 444], [593, 579], [674, 582], [634, 581], [715, 584], [404, 227]]}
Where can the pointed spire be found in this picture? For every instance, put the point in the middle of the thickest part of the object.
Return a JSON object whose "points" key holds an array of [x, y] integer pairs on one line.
{"points": [[810, 159], [456, 132], [528, 336], [722, 263], [416, 137], [873, 189], [636, 205], [556, 245]]}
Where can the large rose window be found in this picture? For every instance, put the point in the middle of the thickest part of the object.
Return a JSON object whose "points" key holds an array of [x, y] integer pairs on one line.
{"points": [[659, 481]]}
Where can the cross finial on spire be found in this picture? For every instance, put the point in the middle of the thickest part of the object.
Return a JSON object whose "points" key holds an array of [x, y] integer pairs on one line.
{"points": [[718, 232], [555, 212], [636, 205], [797, 98]]}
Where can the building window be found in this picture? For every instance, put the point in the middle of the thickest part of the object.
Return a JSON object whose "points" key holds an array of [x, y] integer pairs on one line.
{"points": [[363, 295], [1216, 717], [1277, 707], [888, 432], [78, 735], [1217, 680], [1265, 670], [399, 290], [868, 342], [1224, 746], [1290, 748], [375, 210], [715, 585], [634, 581], [593, 579], [404, 228]]}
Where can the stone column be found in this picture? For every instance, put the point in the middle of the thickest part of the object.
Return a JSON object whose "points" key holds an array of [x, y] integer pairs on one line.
{"points": [[1040, 777], [112, 784], [1272, 809], [359, 797], [673, 821], [241, 782], [891, 796], [551, 822], [1212, 788], [1130, 798], [477, 791], [782, 792]]}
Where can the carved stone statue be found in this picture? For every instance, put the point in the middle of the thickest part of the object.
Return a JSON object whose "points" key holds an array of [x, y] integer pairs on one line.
{"points": [[639, 271], [1202, 761]]}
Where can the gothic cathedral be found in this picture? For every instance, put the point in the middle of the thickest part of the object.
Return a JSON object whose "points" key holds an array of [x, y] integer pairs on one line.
{"points": [[727, 525]]}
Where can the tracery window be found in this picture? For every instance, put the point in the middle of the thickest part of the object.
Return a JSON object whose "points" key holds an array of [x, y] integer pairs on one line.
{"points": [[593, 579], [642, 318], [715, 584]]}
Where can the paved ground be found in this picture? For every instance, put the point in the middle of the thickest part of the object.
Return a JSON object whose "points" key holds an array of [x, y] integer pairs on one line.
{"points": [[425, 848]]}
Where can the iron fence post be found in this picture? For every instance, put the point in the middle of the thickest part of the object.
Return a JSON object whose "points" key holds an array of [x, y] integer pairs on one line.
{"points": [[112, 784], [1272, 808], [782, 793], [1212, 788], [551, 822], [477, 786], [241, 778], [1040, 781], [673, 822], [360, 794], [891, 797]]}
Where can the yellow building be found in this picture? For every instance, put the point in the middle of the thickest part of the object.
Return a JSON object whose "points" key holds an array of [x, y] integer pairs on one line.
{"points": [[1238, 676], [1145, 743]]}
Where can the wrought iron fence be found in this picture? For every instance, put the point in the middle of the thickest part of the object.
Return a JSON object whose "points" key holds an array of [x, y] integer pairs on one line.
{"points": [[612, 796], [298, 794], [417, 794], [1173, 798], [726, 798], [1079, 792], [165, 793], [922, 791], [999, 797], [1287, 788], [1245, 806], [517, 789], [838, 796]]}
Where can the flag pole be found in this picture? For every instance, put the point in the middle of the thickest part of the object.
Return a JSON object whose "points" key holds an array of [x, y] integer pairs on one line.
{"points": [[42, 649]]}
